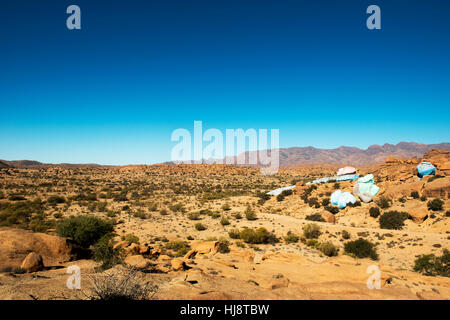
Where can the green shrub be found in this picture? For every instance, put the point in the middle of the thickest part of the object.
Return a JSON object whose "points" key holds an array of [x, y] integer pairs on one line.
{"points": [[105, 253], [384, 203], [291, 238], [374, 212], [178, 207], [313, 202], [224, 221], [263, 196], [328, 249], [315, 217], [226, 207], [120, 198], [55, 200], [223, 245], [140, 214], [423, 198], [361, 248], [280, 197], [194, 216], [432, 265], [131, 238], [101, 207], [17, 198], [415, 194], [346, 235], [313, 243], [179, 247], [260, 235], [234, 234], [332, 209], [393, 220], [311, 231], [199, 227], [250, 214], [435, 205], [38, 223], [286, 193], [84, 230], [447, 214], [325, 202]]}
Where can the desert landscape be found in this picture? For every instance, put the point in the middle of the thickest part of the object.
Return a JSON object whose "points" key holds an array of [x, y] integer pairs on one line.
{"points": [[210, 231]]}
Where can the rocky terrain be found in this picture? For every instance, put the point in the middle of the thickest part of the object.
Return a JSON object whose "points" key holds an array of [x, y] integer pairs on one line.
{"points": [[194, 231]]}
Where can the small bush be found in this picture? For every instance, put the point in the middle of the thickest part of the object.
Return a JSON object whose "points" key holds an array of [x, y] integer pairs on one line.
{"points": [[234, 234], [223, 245], [328, 249], [226, 207], [280, 197], [194, 216], [431, 265], [260, 235], [332, 209], [447, 214], [415, 194], [140, 214], [315, 217], [224, 221], [361, 248], [311, 231], [374, 212], [120, 198], [423, 198], [313, 243], [346, 235], [384, 203], [393, 220], [435, 205], [291, 238], [122, 287], [84, 230], [250, 214], [286, 193], [179, 247], [55, 200], [105, 253], [131, 238], [17, 198], [325, 202], [199, 227]]}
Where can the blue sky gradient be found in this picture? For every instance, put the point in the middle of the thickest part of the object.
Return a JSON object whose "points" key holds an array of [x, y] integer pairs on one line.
{"points": [[113, 92]]}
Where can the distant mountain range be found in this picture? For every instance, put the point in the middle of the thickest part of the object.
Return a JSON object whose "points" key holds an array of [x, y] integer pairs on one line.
{"points": [[355, 156], [30, 164], [297, 155]]}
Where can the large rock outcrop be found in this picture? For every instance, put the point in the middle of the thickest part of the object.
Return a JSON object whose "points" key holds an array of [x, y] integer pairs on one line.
{"points": [[17, 244]]}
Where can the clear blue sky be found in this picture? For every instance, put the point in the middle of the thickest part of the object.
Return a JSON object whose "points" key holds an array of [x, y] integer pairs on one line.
{"points": [[114, 91]]}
